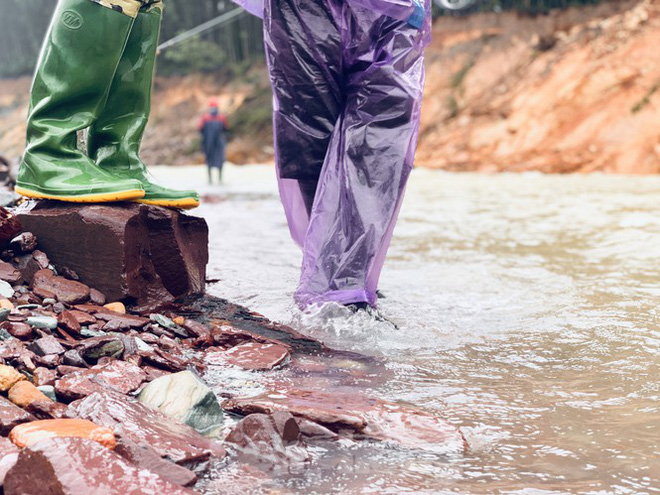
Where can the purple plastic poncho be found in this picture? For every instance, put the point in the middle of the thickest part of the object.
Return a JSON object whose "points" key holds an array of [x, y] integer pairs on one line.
{"points": [[347, 78]]}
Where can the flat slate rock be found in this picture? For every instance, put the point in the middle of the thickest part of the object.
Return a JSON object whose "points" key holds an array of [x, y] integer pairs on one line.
{"points": [[146, 427], [12, 415], [144, 253], [118, 375], [75, 466], [343, 411]]}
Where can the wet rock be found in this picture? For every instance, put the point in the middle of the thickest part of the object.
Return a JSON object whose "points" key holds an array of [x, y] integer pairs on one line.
{"points": [[66, 370], [23, 393], [49, 360], [50, 461], [27, 266], [9, 376], [146, 253], [8, 273], [185, 397], [253, 356], [12, 415], [119, 322], [82, 318], [24, 243], [73, 358], [10, 227], [264, 438], [48, 391], [17, 329], [163, 359], [117, 307], [146, 427], [44, 376], [146, 458], [28, 434], [96, 296], [46, 345], [95, 348], [69, 322], [41, 258], [196, 329], [363, 415], [67, 272], [314, 431], [47, 409], [66, 291], [6, 290], [8, 457], [44, 322], [116, 375]]}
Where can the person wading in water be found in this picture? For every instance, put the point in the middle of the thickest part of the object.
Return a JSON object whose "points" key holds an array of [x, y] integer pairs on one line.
{"points": [[347, 79]]}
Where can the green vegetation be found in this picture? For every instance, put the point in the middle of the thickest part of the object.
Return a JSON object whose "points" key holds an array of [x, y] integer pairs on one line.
{"points": [[228, 48]]}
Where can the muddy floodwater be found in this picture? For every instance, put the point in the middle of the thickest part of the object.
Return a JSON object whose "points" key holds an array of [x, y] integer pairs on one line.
{"points": [[529, 315]]}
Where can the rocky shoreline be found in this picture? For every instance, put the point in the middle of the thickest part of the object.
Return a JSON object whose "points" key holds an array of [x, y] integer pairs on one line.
{"points": [[95, 397]]}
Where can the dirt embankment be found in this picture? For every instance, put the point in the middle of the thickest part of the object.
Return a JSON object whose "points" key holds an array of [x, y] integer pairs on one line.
{"points": [[575, 90], [571, 91]]}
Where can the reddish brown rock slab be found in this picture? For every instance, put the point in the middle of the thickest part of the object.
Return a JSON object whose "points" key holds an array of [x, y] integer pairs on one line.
{"points": [[75, 466], [119, 321], [12, 415], [44, 376], [8, 457], [268, 439], [215, 312], [46, 409], [82, 318], [250, 355], [117, 375], [8, 273], [145, 253], [18, 329], [342, 410], [69, 322], [148, 428], [29, 434], [46, 346], [66, 291], [147, 458]]}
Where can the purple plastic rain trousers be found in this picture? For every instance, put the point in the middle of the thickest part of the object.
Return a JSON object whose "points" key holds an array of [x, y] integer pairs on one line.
{"points": [[347, 84]]}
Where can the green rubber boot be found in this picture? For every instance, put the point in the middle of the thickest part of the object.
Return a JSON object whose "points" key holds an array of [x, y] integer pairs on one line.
{"points": [[114, 139], [77, 64]]}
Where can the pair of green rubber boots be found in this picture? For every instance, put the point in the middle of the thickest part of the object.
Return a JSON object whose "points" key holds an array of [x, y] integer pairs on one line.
{"points": [[95, 71]]}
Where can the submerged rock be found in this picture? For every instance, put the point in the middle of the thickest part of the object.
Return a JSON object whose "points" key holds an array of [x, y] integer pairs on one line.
{"points": [[352, 412], [74, 466], [146, 427], [254, 356], [28, 434], [185, 397], [149, 254], [268, 438]]}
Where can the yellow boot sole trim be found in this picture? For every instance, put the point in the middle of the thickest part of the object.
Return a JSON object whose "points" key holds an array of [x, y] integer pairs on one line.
{"points": [[85, 198], [184, 204]]}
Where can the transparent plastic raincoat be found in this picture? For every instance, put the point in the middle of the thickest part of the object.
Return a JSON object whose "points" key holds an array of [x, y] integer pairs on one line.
{"points": [[347, 78]]}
